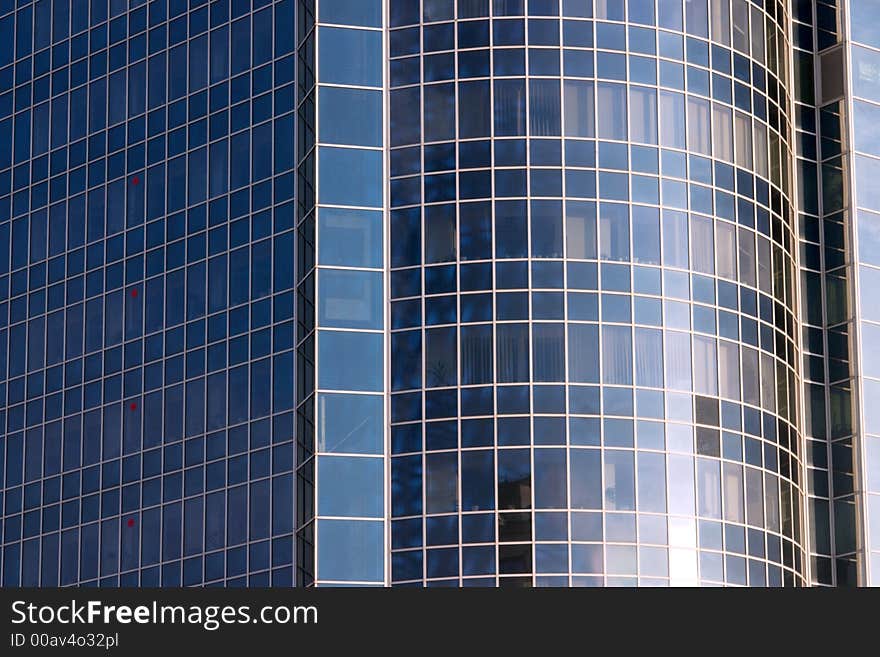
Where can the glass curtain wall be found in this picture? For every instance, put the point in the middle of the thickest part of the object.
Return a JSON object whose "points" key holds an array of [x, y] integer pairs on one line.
{"points": [[594, 360]]}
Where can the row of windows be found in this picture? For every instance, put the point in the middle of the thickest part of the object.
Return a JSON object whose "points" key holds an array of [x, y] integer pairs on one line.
{"points": [[589, 110], [27, 460], [264, 392], [582, 526], [151, 492], [583, 401], [584, 230], [548, 478], [229, 460], [544, 30], [232, 163], [228, 56], [642, 12], [81, 555], [44, 23], [473, 38], [73, 223], [642, 70], [243, 274], [244, 147], [621, 563]]}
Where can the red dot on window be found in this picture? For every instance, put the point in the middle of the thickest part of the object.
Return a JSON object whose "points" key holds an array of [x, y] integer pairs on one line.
{"points": [[134, 292], [133, 406], [135, 180], [130, 522]]}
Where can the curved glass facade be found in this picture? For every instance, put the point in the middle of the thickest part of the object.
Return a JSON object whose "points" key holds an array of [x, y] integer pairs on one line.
{"points": [[594, 334]]}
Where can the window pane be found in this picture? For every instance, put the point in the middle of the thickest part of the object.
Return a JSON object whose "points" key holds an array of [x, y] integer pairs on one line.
{"points": [[702, 245], [350, 361], [350, 176], [675, 239], [725, 252], [733, 493], [672, 132], [580, 224], [350, 116], [544, 112], [351, 424], [649, 358], [350, 299], [616, 355], [705, 366], [721, 21], [349, 237], [351, 486], [722, 131], [743, 125], [476, 354], [614, 231], [579, 108], [611, 110], [619, 481], [351, 550], [709, 488], [643, 115], [699, 133], [352, 12], [441, 482], [349, 56], [728, 365]]}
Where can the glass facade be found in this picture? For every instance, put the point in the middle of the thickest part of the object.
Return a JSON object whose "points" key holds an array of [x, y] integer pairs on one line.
{"points": [[594, 361], [341, 465], [146, 231], [439, 292]]}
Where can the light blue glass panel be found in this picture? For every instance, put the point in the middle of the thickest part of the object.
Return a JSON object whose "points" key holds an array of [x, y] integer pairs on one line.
{"points": [[611, 110], [869, 283], [350, 116], [350, 361], [351, 12], [351, 238], [619, 480], [351, 486], [350, 299], [872, 462], [871, 401], [351, 550], [863, 19], [347, 56], [866, 117], [349, 176], [352, 424], [617, 355], [866, 73]]}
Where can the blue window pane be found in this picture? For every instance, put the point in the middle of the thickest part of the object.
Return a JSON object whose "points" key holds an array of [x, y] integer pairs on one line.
{"points": [[351, 550], [351, 12], [350, 361], [348, 56], [350, 299], [350, 116], [351, 424], [350, 238], [351, 486], [350, 177]]}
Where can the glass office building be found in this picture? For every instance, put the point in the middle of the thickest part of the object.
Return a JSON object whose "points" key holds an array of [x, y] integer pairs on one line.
{"points": [[439, 292]]}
